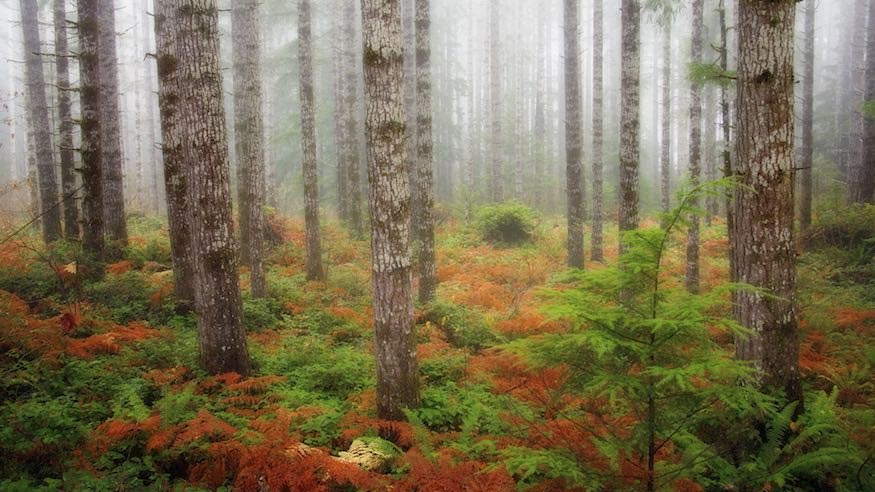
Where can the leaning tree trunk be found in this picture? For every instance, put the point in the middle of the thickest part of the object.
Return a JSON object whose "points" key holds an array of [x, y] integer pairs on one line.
{"points": [[573, 134], [424, 154], [696, 49], [496, 178], [113, 176], [221, 338], [90, 148], [665, 155], [597, 129], [807, 150], [630, 123], [249, 130], [856, 154], [867, 172], [308, 143], [39, 117], [397, 373], [173, 138], [350, 94], [65, 122], [764, 206]]}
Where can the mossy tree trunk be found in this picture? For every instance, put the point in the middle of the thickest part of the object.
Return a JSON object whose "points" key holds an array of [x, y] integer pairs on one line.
{"points": [[630, 120], [573, 134], [598, 130], [424, 154], [110, 126], [90, 148], [65, 122], [696, 87]]}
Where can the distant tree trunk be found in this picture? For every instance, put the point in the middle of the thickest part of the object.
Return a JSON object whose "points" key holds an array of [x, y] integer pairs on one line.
{"points": [[597, 130], [340, 109], [696, 49], [308, 143], [90, 148], [351, 122], [665, 155], [764, 205], [397, 373], [630, 122], [173, 137], [39, 117], [110, 125], [424, 154], [807, 150], [858, 88], [496, 179], [408, 32], [709, 139], [726, 123], [540, 126], [65, 122], [152, 129], [249, 130], [867, 172], [573, 134], [222, 340]]}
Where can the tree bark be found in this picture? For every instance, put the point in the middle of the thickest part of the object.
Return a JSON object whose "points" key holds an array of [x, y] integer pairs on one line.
{"points": [[351, 122], [856, 155], [630, 122], [397, 373], [726, 123], [696, 48], [424, 154], [90, 148], [308, 144], [249, 130], [65, 122], [665, 155], [340, 136], [573, 134], [764, 205], [222, 340], [39, 117], [496, 180], [110, 125], [408, 32], [867, 171], [807, 150], [597, 130]]}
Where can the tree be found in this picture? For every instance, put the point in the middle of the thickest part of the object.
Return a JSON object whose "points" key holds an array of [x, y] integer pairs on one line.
{"points": [[249, 133], [573, 134], [308, 143], [389, 197], [110, 125], [221, 338], [597, 129], [807, 150], [90, 148], [496, 180], [630, 122], [65, 122], [763, 226], [867, 172], [696, 49], [172, 132], [856, 155], [424, 154], [665, 143], [39, 121], [350, 64]]}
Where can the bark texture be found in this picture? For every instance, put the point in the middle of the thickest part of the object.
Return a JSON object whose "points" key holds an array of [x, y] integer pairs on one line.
{"points": [[856, 155], [352, 154], [249, 133], [598, 130], [696, 48], [173, 137], [65, 122], [90, 148], [867, 171], [397, 374], [424, 154], [39, 120], [573, 134], [806, 152], [308, 144], [110, 126], [496, 178], [764, 206], [222, 340], [630, 121], [665, 143]]}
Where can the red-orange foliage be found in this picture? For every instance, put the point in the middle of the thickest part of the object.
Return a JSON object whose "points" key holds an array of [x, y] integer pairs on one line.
{"points": [[203, 426], [859, 320], [355, 425], [120, 267], [447, 476], [528, 323], [172, 376], [110, 342], [255, 385]]}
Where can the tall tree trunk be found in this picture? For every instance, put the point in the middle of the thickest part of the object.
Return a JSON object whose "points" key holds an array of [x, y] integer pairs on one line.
{"points": [[110, 125], [397, 373], [696, 49], [90, 148], [573, 134], [155, 162], [222, 340], [173, 138], [408, 32], [39, 117], [630, 122], [807, 150], [856, 154], [351, 123], [340, 137], [249, 130], [308, 144], [597, 129], [764, 205], [665, 155], [424, 154], [726, 124], [496, 179], [867, 171], [540, 124], [65, 122]]}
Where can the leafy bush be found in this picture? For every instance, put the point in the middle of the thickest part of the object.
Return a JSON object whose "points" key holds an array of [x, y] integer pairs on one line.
{"points": [[507, 224], [126, 296], [451, 407], [463, 327], [259, 314]]}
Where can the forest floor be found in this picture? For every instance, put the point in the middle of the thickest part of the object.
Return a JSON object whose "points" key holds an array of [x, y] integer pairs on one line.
{"points": [[100, 387]]}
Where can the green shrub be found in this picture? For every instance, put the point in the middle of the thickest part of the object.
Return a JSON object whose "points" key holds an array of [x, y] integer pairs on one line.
{"points": [[126, 296], [507, 224], [260, 314], [463, 327]]}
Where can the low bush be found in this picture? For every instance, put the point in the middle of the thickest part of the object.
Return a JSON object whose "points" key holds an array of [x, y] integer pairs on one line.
{"points": [[506, 224]]}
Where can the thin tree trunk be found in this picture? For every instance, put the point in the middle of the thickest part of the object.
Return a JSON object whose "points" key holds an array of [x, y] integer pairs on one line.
{"points": [[408, 31], [249, 130], [152, 129], [397, 373], [807, 150], [573, 134], [113, 175], [867, 172], [696, 49], [39, 117], [665, 155], [351, 124], [726, 123], [856, 156], [764, 205], [340, 109], [597, 130], [308, 143], [65, 120], [424, 154], [496, 179], [630, 123]]}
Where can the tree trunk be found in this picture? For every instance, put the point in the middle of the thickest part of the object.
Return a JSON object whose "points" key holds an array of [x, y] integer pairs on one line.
{"points": [[540, 123], [856, 156], [110, 125], [155, 162], [597, 129], [696, 49], [408, 32], [630, 123], [351, 124], [665, 155], [308, 144], [424, 154], [764, 206], [573, 134], [807, 150], [65, 122], [496, 179], [867, 171], [249, 130], [397, 373], [222, 340], [39, 117], [726, 123], [340, 137], [172, 133], [90, 148]]}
